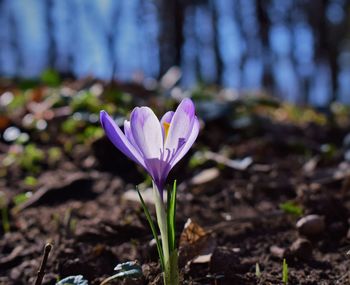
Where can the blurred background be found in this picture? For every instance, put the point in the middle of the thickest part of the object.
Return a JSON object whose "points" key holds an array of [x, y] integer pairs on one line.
{"points": [[270, 80], [298, 50]]}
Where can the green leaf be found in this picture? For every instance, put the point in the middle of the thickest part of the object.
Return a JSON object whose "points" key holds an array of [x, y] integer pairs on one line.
{"points": [[31, 158], [197, 159], [257, 270], [86, 101], [129, 269], [21, 198], [285, 272], [50, 77], [54, 154], [171, 213], [70, 126], [292, 208], [73, 280], [126, 266], [153, 229], [30, 181]]}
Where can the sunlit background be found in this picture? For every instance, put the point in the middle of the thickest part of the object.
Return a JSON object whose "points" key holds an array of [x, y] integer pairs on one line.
{"points": [[296, 49]]}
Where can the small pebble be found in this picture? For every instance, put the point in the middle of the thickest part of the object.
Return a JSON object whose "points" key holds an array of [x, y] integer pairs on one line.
{"points": [[205, 176], [311, 225], [301, 249], [278, 251]]}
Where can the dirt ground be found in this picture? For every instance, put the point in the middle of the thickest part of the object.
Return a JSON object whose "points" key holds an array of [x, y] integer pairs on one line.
{"points": [[247, 188]]}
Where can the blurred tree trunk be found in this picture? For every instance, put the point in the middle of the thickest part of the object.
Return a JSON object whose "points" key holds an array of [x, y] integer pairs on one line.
{"points": [[170, 34], [219, 65], [51, 42]]}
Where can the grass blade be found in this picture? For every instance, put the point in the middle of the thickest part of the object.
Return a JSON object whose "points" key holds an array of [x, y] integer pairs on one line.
{"points": [[153, 229], [285, 272], [171, 213]]}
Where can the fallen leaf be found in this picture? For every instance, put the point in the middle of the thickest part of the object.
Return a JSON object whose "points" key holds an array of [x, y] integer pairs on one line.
{"points": [[196, 244]]}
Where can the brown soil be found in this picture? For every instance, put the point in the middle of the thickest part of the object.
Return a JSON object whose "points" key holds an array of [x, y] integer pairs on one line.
{"points": [[81, 210]]}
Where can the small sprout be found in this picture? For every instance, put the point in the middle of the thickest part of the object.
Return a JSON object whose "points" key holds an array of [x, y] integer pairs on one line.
{"points": [[69, 222], [71, 125], [292, 208], [197, 159], [285, 272], [92, 133], [21, 198], [4, 213], [68, 146], [31, 157], [126, 266], [257, 270], [129, 269], [30, 181], [54, 155], [73, 280], [18, 101], [73, 225], [85, 101]]}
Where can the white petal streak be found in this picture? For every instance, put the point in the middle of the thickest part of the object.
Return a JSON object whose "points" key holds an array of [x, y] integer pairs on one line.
{"points": [[181, 124], [129, 135], [147, 133], [191, 139]]}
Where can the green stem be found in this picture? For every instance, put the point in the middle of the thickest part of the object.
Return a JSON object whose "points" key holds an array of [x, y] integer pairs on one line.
{"points": [[162, 224], [153, 229], [166, 224]]}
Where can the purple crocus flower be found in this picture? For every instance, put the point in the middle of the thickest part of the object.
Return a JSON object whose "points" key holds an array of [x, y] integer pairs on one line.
{"points": [[155, 145]]}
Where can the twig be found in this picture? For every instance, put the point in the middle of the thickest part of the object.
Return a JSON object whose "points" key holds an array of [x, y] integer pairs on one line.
{"points": [[260, 216], [41, 271]]}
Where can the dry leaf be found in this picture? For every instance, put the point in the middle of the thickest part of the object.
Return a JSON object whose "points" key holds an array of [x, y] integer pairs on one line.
{"points": [[194, 243], [191, 233]]}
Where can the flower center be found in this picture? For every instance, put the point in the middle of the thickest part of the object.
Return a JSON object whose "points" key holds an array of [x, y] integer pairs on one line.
{"points": [[166, 127]]}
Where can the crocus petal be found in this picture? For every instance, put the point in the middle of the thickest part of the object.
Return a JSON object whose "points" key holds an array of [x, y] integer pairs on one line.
{"points": [[167, 117], [181, 124], [189, 142], [117, 137], [159, 171], [147, 132], [156, 145], [129, 135]]}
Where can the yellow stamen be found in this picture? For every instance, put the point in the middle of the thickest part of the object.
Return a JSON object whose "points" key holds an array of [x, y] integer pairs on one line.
{"points": [[166, 127]]}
